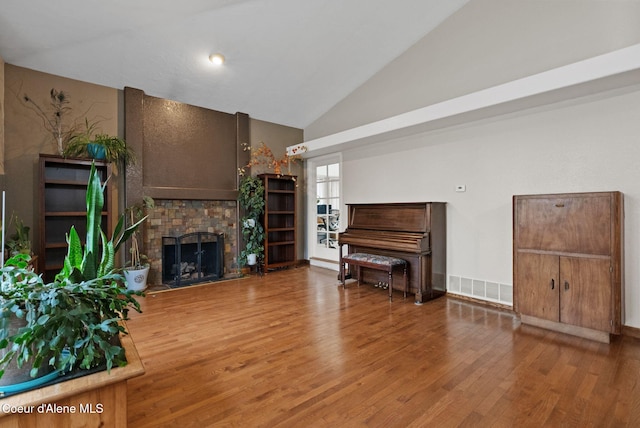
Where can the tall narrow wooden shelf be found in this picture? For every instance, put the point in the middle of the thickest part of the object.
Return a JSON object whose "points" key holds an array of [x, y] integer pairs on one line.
{"points": [[62, 202], [279, 220]]}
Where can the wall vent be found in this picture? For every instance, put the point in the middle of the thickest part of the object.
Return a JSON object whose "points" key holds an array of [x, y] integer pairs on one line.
{"points": [[481, 289]]}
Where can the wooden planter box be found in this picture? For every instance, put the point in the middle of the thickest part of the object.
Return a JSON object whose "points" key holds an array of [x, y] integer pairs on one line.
{"points": [[98, 399]]}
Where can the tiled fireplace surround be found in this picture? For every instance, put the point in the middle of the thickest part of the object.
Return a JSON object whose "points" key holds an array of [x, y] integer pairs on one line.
{"points": [[187, 160], [178, 217]]}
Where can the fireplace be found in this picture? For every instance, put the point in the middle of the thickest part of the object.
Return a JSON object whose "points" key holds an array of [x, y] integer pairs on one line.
{"points": [[192, 258]]}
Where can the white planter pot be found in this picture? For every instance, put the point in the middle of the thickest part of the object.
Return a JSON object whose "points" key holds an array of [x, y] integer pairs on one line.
{"points": [[136, 278], [251, 259]]}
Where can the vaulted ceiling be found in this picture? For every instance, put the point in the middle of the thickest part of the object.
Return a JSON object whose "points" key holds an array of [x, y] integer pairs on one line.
{"points": [[287, 61]]}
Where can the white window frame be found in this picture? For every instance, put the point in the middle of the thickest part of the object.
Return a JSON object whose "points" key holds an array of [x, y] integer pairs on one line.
{"points": [[327, 258]]}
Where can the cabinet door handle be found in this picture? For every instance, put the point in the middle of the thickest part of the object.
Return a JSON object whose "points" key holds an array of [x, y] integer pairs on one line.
{"points": [[566, 285], [553, 283]]}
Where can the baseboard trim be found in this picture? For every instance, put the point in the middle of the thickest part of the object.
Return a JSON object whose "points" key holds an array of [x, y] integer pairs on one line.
{"points": [[631, 331], [587, 333], [626, 330], [480, 301], [325, 263]]}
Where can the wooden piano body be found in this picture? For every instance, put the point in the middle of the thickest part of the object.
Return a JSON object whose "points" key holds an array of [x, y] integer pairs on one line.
{"points": [[415, 232]]}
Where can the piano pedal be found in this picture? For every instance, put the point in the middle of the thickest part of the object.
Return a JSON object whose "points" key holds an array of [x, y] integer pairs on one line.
{"points": [[382, 285]]}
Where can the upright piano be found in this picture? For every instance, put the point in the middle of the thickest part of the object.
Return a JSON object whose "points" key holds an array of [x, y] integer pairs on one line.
{"points": [[415, 232]]}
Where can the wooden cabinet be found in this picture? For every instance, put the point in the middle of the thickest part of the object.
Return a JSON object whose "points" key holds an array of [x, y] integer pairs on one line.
{"points": [[62, 204], [279, 220], [568, 253]]}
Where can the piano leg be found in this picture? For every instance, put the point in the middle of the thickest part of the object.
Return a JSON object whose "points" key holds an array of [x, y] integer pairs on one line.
{"points": [[406, 281], [341, 267]]}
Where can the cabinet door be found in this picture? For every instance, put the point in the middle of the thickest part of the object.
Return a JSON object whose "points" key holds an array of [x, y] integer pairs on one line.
{"points": [[537, 285], [571, 224], [585, 292]]}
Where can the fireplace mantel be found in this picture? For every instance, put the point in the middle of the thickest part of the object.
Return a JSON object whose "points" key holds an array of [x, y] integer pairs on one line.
{"points": [[183, 151]]}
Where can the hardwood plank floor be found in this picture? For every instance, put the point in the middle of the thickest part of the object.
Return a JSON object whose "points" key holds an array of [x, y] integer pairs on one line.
{"points": [[293, 349]]}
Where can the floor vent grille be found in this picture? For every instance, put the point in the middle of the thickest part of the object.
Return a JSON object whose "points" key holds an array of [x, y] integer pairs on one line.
{"points": [[480, 289]]}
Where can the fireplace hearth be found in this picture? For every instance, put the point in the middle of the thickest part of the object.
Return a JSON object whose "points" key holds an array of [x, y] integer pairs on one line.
{"points": [[192, 258]]}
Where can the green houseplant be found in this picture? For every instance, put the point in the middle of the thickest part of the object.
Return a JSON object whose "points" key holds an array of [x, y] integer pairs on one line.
{"points": [[137, 272], [90, 143], [74, 321], [251, 200], [19, 242]]}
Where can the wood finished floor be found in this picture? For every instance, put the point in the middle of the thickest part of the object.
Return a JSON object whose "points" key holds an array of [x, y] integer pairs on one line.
{"points": [[293, 349]]}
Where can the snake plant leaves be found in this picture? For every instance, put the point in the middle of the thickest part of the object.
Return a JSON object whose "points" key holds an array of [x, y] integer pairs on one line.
{"points": [[107, 263], [95, 202], [74, 319], [72, 267]]}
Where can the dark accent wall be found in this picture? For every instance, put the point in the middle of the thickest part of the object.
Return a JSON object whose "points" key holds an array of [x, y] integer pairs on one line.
{"points": [[184, 151]]}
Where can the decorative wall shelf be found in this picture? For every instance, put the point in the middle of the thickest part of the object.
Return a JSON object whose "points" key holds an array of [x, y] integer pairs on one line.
{"points": [[595, 75]]}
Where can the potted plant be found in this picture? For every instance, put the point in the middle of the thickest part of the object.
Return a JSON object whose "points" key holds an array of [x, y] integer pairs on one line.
{"points": [[263, 155], [137, 273], [95, 145], [19, 242], [251, 200], [73, 322]]}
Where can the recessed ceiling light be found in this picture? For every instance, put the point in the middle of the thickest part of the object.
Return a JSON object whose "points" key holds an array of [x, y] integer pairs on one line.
{"points": [[216, 59]]}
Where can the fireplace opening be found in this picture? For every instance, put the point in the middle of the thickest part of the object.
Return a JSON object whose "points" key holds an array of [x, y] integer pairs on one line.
{"points": [[192, 258]]}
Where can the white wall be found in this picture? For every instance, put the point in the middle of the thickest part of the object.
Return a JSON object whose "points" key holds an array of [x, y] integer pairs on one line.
{"points": [[484, 44], [590, 145]]}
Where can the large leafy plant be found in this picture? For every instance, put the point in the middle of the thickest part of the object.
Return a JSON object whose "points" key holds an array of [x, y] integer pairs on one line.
{"points": [[75, 320], [97, 258], [66, 324], [251, 200]]}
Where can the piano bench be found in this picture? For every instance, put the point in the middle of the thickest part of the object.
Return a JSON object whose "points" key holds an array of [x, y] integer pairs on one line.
{"points": [[374, 261]]}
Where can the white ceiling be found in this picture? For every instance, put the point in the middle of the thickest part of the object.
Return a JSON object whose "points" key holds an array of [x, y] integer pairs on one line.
{"points": [[288, 61]]}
